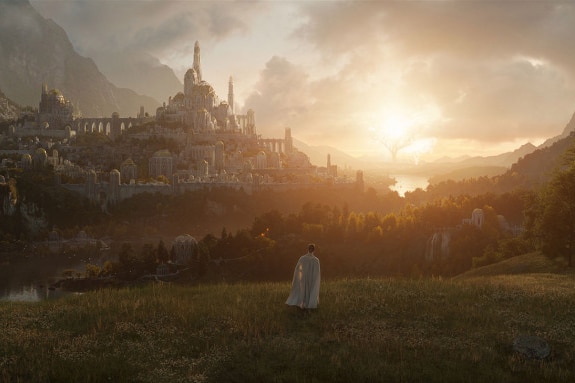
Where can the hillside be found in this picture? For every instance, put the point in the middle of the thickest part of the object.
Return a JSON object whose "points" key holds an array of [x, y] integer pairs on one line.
{"points": [[9, 110], [365, 330], [470, 172], [531, 172], [524, 264], [34, 50], [533, 168], [536, 168]]}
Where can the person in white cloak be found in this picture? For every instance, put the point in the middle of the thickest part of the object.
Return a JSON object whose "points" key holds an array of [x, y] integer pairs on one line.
{"points": [[306, 279]]}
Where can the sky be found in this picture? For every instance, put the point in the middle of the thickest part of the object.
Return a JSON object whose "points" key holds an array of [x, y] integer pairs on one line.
{"points": [[423, 79]]}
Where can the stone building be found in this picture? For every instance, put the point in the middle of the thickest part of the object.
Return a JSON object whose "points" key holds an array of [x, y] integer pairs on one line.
{"points": [[161, 164], [129, 171], [199, 108], [55, 110]]}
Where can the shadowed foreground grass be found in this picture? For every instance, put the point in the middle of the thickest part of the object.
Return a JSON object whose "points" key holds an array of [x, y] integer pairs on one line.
{"points": [[364, 331]]}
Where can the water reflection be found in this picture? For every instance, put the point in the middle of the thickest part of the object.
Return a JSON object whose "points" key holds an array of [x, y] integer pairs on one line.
{"points": [[409, 182], [32, 293], [31, 279]]}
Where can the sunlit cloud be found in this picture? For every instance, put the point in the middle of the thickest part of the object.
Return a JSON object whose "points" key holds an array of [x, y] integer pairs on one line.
{"points": [[399, 129], [442, 78]]}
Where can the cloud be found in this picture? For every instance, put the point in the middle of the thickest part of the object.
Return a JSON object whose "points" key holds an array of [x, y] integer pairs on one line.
{"points": [[281, 96], [155, 27], [497, 71], [326, 111], [494, 101], [489, 71], [471, 28]]}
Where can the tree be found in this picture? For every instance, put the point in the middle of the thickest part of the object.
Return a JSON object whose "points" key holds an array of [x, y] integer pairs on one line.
{"points": [[92, 271], [555, 226], [270, 224], [148, 256], [126, 255]]}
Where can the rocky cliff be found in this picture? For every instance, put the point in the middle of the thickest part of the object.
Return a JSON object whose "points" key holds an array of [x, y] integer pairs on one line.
{"points": [[9, 110], [34, 50]]}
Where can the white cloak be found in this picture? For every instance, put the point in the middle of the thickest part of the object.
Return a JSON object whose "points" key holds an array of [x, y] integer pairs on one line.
{"points": [[305, 285]]}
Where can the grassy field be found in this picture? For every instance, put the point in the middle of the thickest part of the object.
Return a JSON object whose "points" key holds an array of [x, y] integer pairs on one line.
{"points": [[366, 330]]}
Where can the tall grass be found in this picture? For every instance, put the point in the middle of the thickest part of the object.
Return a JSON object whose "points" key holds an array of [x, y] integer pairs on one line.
{"points": [[365, 330]]}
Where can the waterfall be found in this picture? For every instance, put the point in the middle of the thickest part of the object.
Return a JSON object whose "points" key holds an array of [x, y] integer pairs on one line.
{"points": [[437, 245]]}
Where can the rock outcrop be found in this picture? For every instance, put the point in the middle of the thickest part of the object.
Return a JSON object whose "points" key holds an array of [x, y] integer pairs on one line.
{"points": [[34, 50], [9, 110], [532, 347]]}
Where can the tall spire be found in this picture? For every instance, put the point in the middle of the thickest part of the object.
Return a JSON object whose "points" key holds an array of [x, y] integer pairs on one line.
{"points": [[231, 94], [197, 64]]}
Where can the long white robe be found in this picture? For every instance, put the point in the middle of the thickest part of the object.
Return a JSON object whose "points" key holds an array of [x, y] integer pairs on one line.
{"points": [[305, 285]]}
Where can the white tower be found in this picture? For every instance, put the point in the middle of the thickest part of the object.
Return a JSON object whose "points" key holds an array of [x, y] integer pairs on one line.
{"points": [[197, 64], [231, 94]]}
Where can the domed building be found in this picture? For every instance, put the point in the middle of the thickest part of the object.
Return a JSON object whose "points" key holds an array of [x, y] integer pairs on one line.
{"points": [[26, 161], [40, 158], [200, 109], [54, 110], [477, 217]]}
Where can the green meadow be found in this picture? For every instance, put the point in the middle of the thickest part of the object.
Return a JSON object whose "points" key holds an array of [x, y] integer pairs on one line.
{"points": [[365, 330]]}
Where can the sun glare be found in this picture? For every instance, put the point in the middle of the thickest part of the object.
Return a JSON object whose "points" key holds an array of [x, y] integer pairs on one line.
{"points": [[400, 129], [396, 126]]}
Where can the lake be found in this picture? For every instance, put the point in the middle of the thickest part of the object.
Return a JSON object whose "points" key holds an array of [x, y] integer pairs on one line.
{"points": [[30, 279], [408, 183]]}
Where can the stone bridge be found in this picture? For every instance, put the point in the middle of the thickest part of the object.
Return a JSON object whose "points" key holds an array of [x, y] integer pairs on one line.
{"points": [[111, 126], [273, 144]]}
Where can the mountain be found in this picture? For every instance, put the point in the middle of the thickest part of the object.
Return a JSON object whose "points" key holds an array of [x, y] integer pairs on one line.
{"points": [[9, 110], [539, 165], [504, 159], [570, 127], [139, 71], [34, 50], [318, 155]]}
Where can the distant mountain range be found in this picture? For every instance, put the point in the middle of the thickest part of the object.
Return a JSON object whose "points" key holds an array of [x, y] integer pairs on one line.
{"points": [[444, 168], [318, 156], [34, 50], [504, 159]]}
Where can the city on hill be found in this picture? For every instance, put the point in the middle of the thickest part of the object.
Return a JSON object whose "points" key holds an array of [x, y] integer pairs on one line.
{"points": [[149, 226], [97, 169]]}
